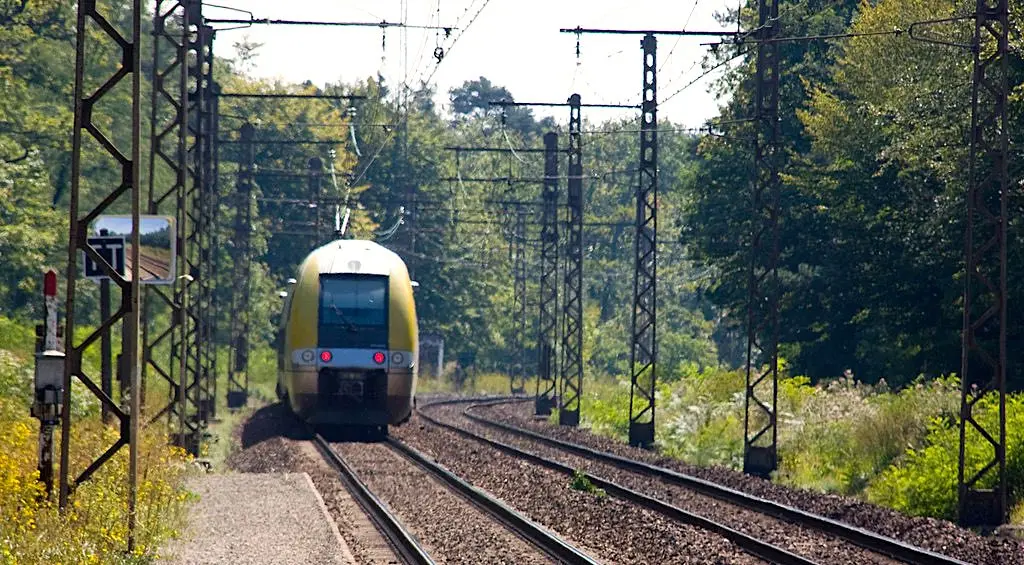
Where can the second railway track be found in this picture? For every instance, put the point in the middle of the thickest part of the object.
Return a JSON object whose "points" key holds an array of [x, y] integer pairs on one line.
{"points": [[750, 522], [430, 515]]}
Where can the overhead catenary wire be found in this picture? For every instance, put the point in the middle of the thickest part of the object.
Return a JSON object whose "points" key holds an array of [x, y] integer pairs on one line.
{"points": [[456, 39]]}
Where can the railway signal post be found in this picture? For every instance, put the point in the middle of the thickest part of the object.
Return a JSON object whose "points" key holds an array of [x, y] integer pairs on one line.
{"points": [[48, 383]]}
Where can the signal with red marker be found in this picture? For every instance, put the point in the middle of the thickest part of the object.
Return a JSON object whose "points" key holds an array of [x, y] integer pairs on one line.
{"points": [[379, 357]]}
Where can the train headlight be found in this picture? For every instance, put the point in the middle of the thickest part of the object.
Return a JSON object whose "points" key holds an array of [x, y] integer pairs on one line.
{"points": [[326, 356], [397, 358], [379, 357]]}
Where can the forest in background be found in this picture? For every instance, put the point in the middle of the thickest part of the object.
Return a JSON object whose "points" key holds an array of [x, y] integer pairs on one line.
{"points": [[873, 184]]}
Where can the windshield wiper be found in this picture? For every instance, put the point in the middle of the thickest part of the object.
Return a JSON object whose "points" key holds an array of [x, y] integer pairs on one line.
{"points": [[348, 323]]}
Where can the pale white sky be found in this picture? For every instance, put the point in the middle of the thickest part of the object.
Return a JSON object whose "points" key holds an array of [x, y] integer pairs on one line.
{"points": [[514, 43]]}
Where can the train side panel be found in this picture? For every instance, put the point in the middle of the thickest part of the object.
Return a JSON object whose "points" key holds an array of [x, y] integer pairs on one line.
{"points": [[403, 344]]}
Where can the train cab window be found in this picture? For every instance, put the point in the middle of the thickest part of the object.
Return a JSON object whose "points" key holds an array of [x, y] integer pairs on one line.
{"points": [[353, 311]]}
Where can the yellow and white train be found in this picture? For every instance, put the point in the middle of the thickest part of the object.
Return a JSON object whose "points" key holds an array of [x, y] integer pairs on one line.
{"points": [[349, 340]]}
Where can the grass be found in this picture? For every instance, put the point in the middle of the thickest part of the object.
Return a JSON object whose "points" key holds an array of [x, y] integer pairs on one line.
{"points": [[474, 383], [581, 482]]}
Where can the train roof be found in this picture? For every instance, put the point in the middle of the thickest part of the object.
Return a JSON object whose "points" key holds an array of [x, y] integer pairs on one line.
{"points": [[355, 256]]}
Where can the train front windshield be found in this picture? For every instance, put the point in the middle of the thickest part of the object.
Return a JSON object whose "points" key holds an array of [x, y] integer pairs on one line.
{"points": [[353, 311]]}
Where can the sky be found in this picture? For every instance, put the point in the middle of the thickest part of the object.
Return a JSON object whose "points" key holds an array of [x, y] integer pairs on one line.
{"points": [[514, 43]]}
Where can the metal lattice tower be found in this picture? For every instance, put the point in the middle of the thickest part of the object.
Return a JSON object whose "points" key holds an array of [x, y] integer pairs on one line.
{"points": [[760, 433], [983, 370], [644, 346], [129, 163], [548, 320], [517, 252], [572, 301], [203, 203], [168, 158], [195, 389], [238, 369]]}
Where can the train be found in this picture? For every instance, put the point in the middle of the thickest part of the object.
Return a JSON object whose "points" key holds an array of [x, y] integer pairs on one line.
{"points": [[349, 340]]}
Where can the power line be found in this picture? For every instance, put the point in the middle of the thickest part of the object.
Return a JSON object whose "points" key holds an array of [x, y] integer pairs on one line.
{"points": [[705, 73], [456, 39]]}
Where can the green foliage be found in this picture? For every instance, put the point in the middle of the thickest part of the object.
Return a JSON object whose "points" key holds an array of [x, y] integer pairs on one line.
{"points": [[923, 483], [94, 527], [581, 482], [840, 436], [848, 432], [17, 338], [605, 407]]}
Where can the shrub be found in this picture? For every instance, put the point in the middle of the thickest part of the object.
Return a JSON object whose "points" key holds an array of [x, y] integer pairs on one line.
{"points": [[94, 528], [845, 433], [923, 482]]}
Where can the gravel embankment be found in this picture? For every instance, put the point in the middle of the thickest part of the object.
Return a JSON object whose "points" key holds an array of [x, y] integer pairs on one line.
{"points": [[610, 529], [273, 441], [799, 540], [935, 535], [450, 528]]}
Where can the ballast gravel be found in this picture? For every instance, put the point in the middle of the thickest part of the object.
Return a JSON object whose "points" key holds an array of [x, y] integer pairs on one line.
{"points": [[932, 534], [802, 541], [450, 528], [610, 529]]}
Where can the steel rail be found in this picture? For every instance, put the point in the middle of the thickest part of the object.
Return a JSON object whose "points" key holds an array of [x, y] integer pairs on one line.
{"points": [[864, 538], [752, 545], [533, 533], [404, 542]]}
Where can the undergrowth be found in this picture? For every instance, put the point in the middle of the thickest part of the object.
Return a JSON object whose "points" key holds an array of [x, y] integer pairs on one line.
{"points": [[93, 529], [897, 448]]}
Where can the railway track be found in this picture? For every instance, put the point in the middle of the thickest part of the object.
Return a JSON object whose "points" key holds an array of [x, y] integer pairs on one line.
{"points": [[406, 546], [653, 487], [379, 458]]}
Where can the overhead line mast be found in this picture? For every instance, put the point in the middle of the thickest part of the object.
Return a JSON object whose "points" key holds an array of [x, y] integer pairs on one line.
{"points": [[760, 421]]}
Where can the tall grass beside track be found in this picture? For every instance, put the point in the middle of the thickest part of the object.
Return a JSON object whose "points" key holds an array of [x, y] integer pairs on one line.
{"points": [[897, 448], [94, 527]]}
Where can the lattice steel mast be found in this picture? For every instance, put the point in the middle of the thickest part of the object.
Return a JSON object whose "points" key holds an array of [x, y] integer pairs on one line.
{"points": [[548, 328], [644, 344], [168, 134], [983, 370], [517, 250], [572, 314], [760, 431], [238, 361], [129, 310]]}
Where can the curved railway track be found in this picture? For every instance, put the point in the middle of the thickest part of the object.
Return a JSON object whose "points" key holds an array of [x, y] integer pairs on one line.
{"points": [[409, 548], [884, 547]]}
